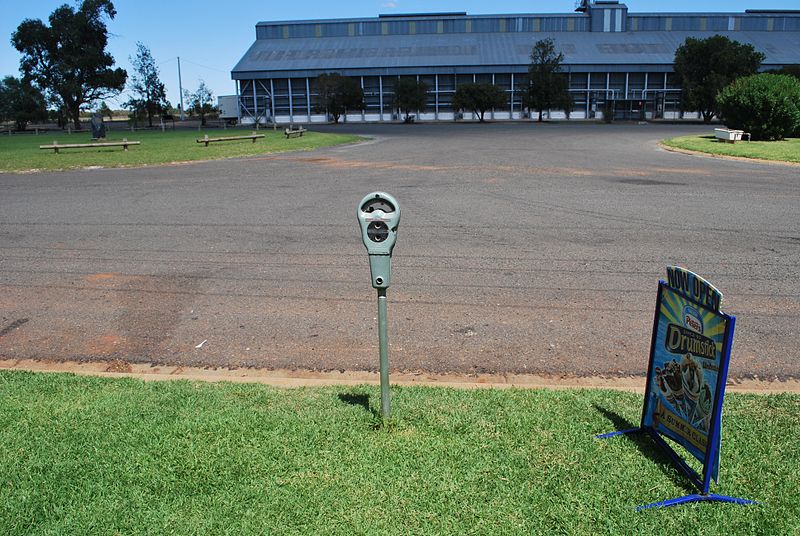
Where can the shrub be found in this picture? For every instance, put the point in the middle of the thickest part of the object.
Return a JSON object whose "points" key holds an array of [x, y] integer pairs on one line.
{"points": [[765, 105]]}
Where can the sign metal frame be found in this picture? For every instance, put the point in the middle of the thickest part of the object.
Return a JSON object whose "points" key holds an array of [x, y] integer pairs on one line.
{"points": [[706, 298]]}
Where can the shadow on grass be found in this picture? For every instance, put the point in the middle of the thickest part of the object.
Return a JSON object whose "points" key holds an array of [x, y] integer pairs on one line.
{"points": [[360, 399], [647, 447]]}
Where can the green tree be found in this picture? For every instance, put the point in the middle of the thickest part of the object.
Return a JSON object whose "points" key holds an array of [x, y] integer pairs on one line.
{"points": [[21, 102], [337, 94], [201, 102], [548, 87], [479, 98], [765, 105], [410, 96], [67, 59], [706, 66], [105, 111], [149, 96]]}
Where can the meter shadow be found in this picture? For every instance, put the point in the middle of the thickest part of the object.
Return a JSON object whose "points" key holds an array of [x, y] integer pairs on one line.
{"points": [[646, 446], [359, 399]]}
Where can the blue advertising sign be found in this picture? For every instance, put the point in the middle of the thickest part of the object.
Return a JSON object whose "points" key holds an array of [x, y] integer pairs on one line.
{"points": [[682, 385], [688, 367]]}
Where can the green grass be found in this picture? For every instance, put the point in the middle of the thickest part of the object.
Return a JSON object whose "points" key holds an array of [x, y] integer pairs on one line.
{"points": [[98, 456], [787, 150], [22, 153]]}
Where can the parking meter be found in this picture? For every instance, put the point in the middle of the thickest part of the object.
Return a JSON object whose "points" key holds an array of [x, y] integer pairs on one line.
{"points": [[379, 216]]}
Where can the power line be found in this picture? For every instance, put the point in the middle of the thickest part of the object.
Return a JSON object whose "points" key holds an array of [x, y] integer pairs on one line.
{"points": [[205, 66]]}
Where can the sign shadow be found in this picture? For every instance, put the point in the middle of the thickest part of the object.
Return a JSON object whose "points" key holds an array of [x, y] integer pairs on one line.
{"points": [[647, 447]]}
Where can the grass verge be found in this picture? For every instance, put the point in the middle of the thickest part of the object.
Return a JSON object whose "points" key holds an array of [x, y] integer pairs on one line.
{"points": [[81, 455], [787, 150], [22, 153]]}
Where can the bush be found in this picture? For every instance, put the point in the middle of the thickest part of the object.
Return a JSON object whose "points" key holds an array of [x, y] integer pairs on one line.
{"points": [[765, 105]]}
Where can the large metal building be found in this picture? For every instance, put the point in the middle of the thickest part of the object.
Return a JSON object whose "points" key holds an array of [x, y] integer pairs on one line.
{"points": [[610, 54]]}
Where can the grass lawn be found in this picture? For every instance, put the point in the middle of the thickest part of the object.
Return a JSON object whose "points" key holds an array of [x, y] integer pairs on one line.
{"points": [[787, 150], [99, 456], [21, 152]]}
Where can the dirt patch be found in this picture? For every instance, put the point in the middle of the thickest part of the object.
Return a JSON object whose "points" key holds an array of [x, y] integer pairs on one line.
{"points": [[308, 378], [119, 366]]}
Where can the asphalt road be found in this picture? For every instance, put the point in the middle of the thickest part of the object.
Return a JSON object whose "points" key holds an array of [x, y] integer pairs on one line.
{"points": [[522, 248]]}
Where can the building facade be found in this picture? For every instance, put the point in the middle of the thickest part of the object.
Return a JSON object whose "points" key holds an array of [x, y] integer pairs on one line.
{"points": [[610, 54]]}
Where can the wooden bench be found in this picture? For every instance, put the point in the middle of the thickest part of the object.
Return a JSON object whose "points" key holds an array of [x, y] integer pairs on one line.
{"points": [[124, 144], [294, 132], [205, 139]]}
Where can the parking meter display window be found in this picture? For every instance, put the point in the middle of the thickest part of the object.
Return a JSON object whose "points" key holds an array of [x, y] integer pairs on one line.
{"points": [[377, 231], [377, 204]]}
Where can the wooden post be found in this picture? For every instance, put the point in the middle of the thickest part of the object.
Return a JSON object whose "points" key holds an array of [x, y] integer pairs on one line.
{"points": [[55, 145], [125, 144], [254, 137], [205, 138]]}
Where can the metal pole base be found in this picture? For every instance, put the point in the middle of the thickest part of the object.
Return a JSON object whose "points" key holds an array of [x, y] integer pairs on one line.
{"points": [[619, 432], [695, 497], [383, 339]]}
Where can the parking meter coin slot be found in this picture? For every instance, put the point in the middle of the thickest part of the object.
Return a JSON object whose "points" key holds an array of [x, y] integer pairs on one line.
{"points": [[377, 231]]}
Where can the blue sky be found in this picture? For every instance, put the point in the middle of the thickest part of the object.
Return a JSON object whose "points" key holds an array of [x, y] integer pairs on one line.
{"points": [[211, 36]]}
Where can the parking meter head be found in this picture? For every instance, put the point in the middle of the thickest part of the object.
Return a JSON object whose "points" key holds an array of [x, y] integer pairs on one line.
{"points": [[379, 216]]}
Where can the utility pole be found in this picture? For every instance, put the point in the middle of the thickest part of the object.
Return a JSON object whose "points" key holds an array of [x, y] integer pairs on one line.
{"points": [[180, 86]]}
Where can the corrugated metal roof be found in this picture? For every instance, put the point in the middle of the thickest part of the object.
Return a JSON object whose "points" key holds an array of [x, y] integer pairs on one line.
{"points": [[269, 56]]}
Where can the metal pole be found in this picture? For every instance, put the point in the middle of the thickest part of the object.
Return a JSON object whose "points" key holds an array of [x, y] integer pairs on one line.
{"points": [[383, 339], [180, 86]]}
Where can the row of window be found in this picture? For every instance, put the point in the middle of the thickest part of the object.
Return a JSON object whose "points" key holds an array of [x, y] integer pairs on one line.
{"points": [[427, 26], [378, 91], [571, 23], [713, 23]]}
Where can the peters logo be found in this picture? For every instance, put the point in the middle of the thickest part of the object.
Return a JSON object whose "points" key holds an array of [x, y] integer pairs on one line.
{"points": [[692, 319]]}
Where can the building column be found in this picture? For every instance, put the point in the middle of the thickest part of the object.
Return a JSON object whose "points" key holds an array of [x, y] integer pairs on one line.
{"points": [[436, 96], [380, 93], [308, 99], [363, 110], [588, 93], [626, 85], [511, 103], [255, 102], [492, 112], [272, 98], [291, 107]]}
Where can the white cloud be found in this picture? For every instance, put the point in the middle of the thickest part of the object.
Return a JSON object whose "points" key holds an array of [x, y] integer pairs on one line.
{"points": [[390, 5]]}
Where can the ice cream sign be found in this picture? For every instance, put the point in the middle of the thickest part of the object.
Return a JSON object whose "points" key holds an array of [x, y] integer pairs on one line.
{"points": [[687, 371]]}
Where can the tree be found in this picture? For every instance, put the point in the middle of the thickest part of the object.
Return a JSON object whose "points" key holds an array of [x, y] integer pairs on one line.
{"points": [[150, 97], [765, 105], [337, 94], [105, 111], [201, 102], [67, 59], [410, 96], [21, 102], [548, 87], [479, 98], [706, 66]]}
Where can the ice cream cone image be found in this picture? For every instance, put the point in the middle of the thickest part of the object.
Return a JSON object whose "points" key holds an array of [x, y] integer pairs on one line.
{"points": [[692, 381], [672, 377], [702, 411]]}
